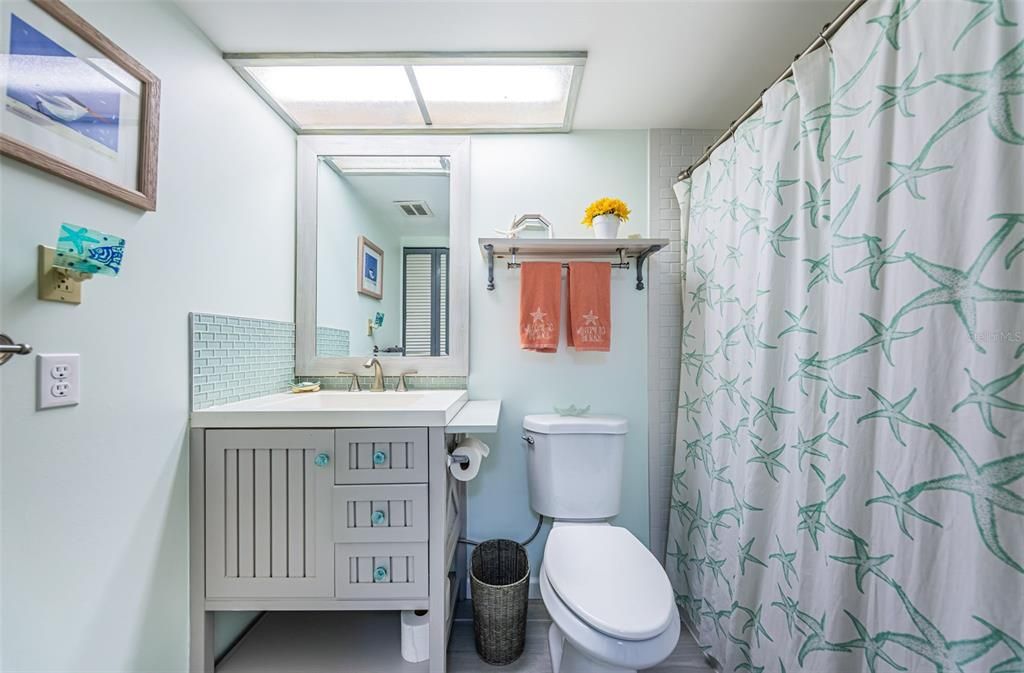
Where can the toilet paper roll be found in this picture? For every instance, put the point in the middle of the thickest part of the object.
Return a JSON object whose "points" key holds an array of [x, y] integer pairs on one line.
{"points": [[467, 471], [415, 635]]}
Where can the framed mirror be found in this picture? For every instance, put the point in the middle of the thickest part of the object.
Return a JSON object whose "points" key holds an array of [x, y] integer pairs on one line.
{"points": [[382, 249]]}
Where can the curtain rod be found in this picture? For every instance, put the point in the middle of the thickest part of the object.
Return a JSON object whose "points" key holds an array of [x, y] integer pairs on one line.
{"points": [[827, 31]]}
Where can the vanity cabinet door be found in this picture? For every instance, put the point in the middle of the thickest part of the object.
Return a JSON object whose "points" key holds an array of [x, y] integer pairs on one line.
{"points": [[268, 513]]}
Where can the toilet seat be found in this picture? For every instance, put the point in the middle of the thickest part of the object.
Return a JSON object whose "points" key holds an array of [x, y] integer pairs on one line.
{"points": [[609, 580], [623, 655]]}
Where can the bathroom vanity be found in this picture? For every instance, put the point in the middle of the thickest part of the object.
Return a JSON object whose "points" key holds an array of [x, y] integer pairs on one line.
{"points": [[332, 512], [328, 502]]}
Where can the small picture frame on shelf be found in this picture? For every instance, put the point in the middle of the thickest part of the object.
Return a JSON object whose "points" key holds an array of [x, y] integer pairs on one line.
{"points": [[371, 269], [76, 105]]}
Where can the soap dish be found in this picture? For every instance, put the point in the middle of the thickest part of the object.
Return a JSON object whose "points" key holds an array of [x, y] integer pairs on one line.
{"points": [[572, 410], [306, 387]]}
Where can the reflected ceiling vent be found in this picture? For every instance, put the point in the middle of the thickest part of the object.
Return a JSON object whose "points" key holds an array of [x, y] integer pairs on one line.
{"points": [[415, 208]]}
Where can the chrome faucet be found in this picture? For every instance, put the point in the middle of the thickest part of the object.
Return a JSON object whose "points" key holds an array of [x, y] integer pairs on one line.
{"points": [[378, 374]]}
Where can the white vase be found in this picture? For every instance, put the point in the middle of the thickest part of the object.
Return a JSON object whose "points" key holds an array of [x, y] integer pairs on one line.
{"points": [[606, 226]]}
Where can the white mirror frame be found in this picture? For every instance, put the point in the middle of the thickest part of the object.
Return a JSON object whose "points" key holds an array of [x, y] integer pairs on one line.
{"points": [[309, 149]]}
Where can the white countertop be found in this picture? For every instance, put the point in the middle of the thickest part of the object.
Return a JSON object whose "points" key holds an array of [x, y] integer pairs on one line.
{"points": [[477, 417], [338, 409]]}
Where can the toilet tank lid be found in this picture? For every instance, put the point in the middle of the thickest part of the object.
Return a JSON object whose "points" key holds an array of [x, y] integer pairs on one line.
{"points": [[553, 424]]}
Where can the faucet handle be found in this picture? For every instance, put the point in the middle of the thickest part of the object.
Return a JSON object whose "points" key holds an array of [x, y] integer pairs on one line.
{"points": [[354, 386], [403, 386]]}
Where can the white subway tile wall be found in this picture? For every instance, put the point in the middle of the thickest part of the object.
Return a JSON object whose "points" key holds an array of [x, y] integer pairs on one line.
{"points": [[671, 150]]}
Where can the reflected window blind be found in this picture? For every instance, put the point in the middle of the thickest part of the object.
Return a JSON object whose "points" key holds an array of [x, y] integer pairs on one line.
{"points": [[443, 299], [425, 301]]}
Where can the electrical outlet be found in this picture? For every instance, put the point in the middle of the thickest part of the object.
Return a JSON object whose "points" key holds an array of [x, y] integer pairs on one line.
{"points": [[55, 285], [58, 380]]}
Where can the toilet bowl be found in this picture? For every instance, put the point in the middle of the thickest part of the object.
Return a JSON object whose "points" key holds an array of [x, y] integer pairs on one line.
{"points": [[611, 604]]}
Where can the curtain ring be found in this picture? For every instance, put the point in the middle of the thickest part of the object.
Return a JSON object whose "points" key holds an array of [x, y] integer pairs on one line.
{"points": [[821, 34]]}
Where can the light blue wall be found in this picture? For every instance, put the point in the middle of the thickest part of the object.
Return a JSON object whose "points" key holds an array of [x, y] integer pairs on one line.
{"points": [[94, 498], [556, 175], [342, 217]]}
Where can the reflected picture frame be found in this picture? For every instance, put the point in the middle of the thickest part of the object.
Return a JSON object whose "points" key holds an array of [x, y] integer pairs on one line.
{"points": [[370, 280], [75, 105]]}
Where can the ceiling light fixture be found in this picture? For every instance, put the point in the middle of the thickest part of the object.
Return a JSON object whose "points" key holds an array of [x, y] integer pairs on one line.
{"points": [[417, 93]]}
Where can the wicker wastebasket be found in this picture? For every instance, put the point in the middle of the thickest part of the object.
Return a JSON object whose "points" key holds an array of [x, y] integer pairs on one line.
{"points": [[500, 576]]}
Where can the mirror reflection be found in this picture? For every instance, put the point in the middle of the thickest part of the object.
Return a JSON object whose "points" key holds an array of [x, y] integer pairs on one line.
{"points": [[382, 256]]}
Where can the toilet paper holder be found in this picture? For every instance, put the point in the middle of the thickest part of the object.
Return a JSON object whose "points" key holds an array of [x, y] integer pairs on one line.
{"points": [[460, 460]]}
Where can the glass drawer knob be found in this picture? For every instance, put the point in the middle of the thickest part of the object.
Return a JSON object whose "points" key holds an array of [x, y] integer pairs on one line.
{"points": [[321, 459], [380, 573], [378, 517], [379, 457]]}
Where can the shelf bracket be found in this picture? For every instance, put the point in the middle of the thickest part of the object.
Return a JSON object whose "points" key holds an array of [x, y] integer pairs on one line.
{"points": [[640, 264], [490, 267]]}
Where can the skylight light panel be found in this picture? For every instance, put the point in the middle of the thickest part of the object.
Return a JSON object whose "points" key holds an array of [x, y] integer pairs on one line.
{"points": [[495, 95], [360, 96], [417, 93]]}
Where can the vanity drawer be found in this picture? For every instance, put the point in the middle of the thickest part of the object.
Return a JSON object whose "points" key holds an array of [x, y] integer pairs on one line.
{"points": [[381, 570], [380, 513], [380, 456]]}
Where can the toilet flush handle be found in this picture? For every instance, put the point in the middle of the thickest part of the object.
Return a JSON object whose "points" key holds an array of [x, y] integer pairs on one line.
{"points": [[528, 439]]}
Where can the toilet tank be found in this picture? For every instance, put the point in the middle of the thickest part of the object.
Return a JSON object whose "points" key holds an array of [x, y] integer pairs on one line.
{"points": [[574, 465]]}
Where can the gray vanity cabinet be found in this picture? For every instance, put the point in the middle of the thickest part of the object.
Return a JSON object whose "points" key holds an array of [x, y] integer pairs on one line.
{"points": [[357, 520], [268, 504]]}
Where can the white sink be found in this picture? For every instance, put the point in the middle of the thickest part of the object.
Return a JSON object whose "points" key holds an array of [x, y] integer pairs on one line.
{"points": [[336, 409]]}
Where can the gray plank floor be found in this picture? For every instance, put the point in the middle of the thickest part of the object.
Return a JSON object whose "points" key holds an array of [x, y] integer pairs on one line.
{"points": [[369, 642], [462, 657]]}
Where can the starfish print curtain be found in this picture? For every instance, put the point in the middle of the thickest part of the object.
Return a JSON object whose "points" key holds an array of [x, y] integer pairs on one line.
{"points": [[850, 444]]}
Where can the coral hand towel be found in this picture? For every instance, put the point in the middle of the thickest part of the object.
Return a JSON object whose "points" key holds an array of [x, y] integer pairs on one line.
{"points": [[540, 306], [590, 306]]}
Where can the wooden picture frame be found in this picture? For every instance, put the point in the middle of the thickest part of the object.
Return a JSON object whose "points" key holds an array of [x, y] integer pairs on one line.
{"points": [[370, 280], [142, 194]]}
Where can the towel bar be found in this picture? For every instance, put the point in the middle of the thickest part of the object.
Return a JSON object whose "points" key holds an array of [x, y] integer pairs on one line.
{"points": [[570, 249]]}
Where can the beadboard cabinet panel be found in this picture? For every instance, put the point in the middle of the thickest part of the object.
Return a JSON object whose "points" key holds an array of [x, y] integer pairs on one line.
{"points": [[268, 500]]}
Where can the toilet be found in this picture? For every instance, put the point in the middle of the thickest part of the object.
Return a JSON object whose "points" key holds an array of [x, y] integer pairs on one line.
{"points": [[612, 607]]}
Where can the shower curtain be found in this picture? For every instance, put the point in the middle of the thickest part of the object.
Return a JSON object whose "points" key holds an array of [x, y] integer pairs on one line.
{"points": [[850, 446]]}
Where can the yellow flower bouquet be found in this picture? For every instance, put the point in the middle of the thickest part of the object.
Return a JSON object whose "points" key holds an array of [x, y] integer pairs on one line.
{"points": [[605, 206], [605, 215]]}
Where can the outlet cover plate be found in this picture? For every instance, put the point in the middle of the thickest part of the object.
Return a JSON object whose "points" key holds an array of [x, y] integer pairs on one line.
{"points": [[54, 285], [57, 380]]}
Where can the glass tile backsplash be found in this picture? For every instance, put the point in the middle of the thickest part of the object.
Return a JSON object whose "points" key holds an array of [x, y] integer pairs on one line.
{"points": [[331, 342], [236, 359]]}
